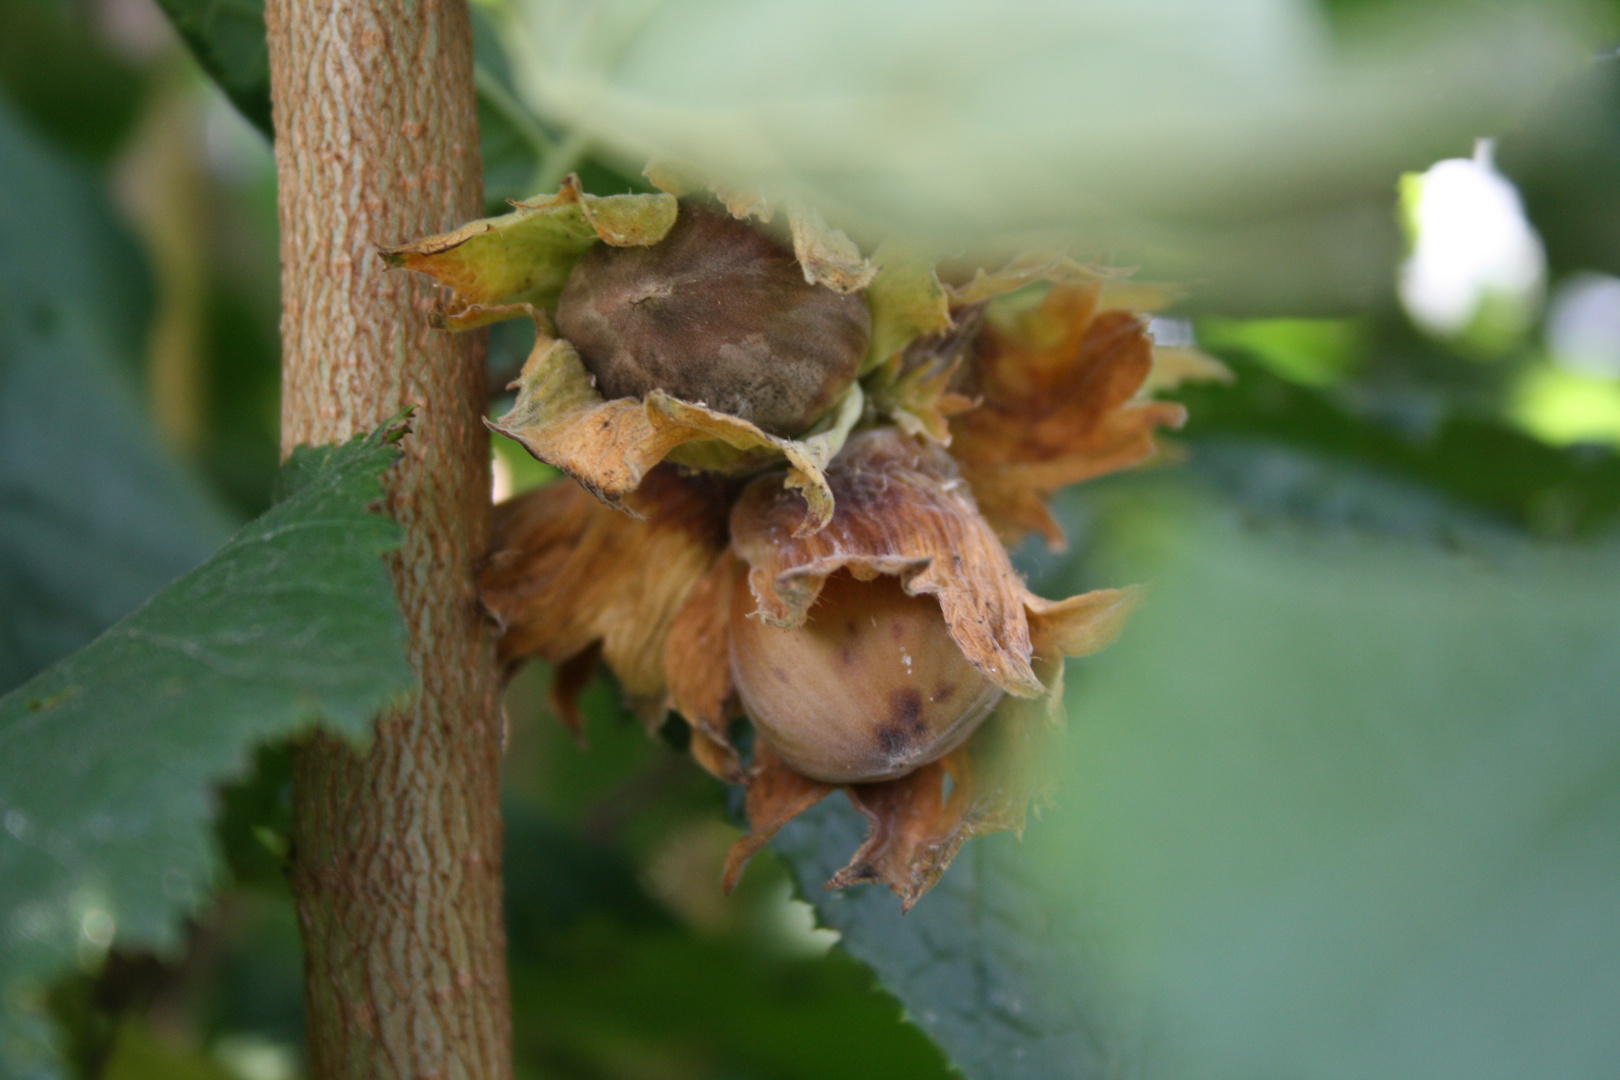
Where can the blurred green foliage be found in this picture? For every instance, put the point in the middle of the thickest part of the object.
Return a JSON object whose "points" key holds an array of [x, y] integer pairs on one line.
{"points": [[1340, 804], [65, 78]]}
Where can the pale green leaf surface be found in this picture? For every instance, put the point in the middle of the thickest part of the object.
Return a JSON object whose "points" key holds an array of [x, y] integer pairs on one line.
{"points": [[109, 758], [1342, 802], [1195, 136]]}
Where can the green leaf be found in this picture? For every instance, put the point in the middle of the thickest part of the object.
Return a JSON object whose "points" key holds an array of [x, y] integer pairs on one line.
{"points": [[108, 759], [973, 963], [227, 37], [1342, 802], [1479, 461], [94, 516]]}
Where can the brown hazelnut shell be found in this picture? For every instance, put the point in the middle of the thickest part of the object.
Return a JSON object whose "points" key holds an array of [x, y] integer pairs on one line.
{"points": [[719, 313], [870, 687]]}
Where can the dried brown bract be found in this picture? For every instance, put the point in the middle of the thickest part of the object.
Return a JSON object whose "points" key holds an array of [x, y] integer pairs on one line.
{"points": [[567, 579], [1055, 385]]}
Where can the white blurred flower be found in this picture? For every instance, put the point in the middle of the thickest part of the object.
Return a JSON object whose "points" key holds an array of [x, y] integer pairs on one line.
{"points": [[1583, 325], [1474, 253]]}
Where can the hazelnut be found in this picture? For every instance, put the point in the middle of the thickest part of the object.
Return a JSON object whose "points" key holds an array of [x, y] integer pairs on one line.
{"points": [[718, 313], [871, 687]]}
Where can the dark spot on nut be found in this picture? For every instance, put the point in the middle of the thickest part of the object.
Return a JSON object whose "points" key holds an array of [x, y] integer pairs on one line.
{"points": [[894, 740], [905, 709], [719, 313]]}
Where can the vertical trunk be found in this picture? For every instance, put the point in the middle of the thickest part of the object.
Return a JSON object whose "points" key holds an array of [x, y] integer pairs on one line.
{"points": [[397, 853]]}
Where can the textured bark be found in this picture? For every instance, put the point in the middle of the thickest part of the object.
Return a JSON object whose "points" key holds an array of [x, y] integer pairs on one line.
{"points": [[396, 854]]}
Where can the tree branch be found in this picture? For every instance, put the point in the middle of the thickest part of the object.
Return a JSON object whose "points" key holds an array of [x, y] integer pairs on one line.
{"points": [[397, 853]]}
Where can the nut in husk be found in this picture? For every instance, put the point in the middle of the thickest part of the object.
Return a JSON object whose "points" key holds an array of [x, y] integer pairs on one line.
{"points": [[869, 688], [718, 313], [828, 457]]}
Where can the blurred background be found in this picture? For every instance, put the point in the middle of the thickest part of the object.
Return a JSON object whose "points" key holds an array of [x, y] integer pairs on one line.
{"points": [[1344, 802]]}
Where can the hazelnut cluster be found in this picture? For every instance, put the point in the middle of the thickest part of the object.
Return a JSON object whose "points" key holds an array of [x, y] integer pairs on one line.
{"points": [[795, 474]]}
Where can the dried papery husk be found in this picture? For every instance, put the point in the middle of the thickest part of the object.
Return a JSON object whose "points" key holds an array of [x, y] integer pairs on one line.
{"points": [[567, 575], [919, 325], [776, 795], [697, 662], [900, 508], [1177, 364], [610, 446], [525, 257], [827, 256], [741, 203], [915, 829], [1057, 387], [1172, 364]]}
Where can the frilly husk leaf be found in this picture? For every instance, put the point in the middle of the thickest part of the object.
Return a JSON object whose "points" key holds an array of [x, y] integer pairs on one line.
{"points": [[921, 402], [566, 575], [776, 795], [915, 828], [472, 316], [569, 681], [1177, 364], [1142, 297], [915, 389], [907, 302], [827, 256], [526, 256], [697, 662], [1026, 269], [1056, 386], [609, 446], [900, 508], [740, 202]]}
